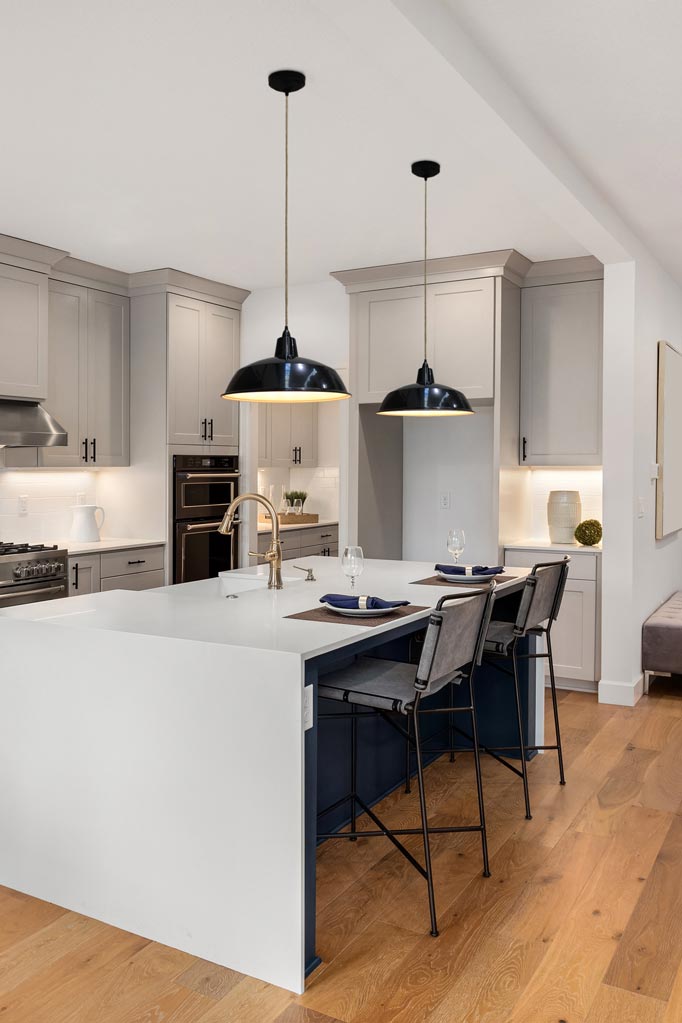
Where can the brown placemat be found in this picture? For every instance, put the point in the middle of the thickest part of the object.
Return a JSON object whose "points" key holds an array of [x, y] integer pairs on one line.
{"points": [[322, 614], [435, 580]]}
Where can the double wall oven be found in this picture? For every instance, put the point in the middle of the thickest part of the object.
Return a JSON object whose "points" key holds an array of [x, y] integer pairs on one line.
{"points": [[204, 486]]}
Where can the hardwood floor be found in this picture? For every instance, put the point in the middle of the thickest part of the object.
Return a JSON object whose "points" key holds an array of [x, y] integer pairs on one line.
{"points": [[579, 922]]}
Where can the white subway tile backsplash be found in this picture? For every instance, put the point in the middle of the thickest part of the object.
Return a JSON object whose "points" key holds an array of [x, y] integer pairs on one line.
{"points": [[50, 496]]}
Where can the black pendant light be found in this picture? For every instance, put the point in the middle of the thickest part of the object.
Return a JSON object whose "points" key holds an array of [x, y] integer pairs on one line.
{"points": [[425, 397], [286, 376]]}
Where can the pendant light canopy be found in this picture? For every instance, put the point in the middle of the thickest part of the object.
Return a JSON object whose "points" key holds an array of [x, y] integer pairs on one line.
{"points": [[425, 397], [286, 376]]}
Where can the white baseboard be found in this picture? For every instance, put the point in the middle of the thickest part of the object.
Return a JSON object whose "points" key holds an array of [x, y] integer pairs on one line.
{"points": [[575, 685], [623, 694]]}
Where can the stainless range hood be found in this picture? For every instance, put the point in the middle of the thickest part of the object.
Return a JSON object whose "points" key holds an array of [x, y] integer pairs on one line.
{"points": [[26, 424]]}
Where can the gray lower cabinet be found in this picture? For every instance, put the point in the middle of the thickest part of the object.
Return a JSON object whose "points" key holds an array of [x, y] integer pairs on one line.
{"points": [[320, 541], [138, 568], [575, 634]]}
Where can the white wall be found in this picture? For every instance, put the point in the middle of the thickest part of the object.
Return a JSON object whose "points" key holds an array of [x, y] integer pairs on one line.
{"points": [[453, 457], [641, 305], [50, 496]]}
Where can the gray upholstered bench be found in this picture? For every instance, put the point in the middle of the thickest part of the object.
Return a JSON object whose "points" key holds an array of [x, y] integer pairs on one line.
{"points": [[662, 640]]}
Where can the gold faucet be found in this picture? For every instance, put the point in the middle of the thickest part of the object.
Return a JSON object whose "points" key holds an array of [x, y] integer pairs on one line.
{"points": [[273, 555]]}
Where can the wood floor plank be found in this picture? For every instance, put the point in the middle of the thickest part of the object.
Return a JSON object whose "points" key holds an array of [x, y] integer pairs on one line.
{"points": [[434, 964], [662, 785], [567, 981], [39, 950], [21, 916], [613, 1005], [605, 811], [70, 984], [555, 810], [650, 953], [302, 1014], [209, 979], [252, 1001], [369, 967]]}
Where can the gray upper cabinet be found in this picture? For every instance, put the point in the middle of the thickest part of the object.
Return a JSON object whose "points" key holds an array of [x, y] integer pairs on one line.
{"points": [[203, 353], [23, 333], [89, 376], [561, 374], [287, 435], [389, 328]]}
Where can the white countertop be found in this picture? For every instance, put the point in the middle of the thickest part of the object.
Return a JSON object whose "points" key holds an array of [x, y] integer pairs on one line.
{"points": [[105, 544], [265, 527], [256, 619], [545, 545]]}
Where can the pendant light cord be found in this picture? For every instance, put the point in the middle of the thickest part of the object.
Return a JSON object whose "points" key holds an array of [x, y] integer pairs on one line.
{"points": [[286, 210], [425, 244]]}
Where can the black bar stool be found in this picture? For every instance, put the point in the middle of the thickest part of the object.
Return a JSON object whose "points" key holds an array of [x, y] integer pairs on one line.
{"points": [[537, 609], [453, 647]]}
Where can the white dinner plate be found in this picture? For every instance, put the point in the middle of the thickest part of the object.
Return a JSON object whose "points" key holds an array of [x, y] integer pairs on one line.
{"points": [[467, 579], [361, 612]]}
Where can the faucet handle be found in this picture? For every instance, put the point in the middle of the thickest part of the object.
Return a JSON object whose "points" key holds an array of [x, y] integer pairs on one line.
{"points": [[309, 577], [257, 554]]}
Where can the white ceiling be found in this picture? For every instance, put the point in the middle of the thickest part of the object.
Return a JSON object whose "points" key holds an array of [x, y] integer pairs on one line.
{"points": [[140, 135], [605, 77]]}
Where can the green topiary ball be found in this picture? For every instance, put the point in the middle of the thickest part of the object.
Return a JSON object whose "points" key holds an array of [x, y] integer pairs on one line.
{"points": [[588, 532]]}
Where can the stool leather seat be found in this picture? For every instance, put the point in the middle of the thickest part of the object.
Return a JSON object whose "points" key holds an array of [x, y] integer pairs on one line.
{"points": [[378, 683]]}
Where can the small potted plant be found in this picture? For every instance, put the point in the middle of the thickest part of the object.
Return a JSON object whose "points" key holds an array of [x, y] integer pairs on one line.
{"points": [[296, 499]]}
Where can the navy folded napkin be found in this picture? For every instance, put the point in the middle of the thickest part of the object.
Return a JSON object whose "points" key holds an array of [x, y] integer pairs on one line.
{"points": [[476, 570], [342, 600]]}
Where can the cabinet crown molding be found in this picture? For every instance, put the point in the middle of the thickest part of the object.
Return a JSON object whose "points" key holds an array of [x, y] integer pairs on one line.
{"points": [[29, 255], [498, 263], [147, 282]]}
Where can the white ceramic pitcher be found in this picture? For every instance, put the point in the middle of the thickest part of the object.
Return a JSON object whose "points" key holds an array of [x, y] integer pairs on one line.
{"points": [[84, 525]]}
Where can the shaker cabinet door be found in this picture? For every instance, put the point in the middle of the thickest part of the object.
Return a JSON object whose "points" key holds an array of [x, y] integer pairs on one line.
{"points": [[461, 345], [185, 393], [108, 378], [84, 574], [561, 374], [67, 377], [219, 360], [574, 634], [281, 444], [304, 433], [23, 333], [389, 331]]}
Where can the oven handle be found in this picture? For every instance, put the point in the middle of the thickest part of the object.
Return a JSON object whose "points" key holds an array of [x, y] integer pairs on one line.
{"points": [[24, 592], [205, 527], [209, 475]]}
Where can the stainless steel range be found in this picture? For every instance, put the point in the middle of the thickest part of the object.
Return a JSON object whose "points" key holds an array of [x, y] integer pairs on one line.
{"points": [[31, 572]]}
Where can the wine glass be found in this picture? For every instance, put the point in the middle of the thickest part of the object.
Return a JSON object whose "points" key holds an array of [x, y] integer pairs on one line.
{"points": [[298, 506], [456, 541], [352, 562]]}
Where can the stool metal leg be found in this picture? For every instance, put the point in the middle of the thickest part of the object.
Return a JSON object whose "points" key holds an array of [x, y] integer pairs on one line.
{"points": [[479, 781], [557, 732], [353, 769], [408, 786], [425, 822], [522, 748], [451, 725]]}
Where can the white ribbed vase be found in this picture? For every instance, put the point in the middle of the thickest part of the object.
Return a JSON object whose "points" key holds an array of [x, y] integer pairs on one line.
{"points": [[564, 512]]}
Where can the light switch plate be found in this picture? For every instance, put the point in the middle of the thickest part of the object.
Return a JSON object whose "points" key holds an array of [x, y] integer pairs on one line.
{"points": [[22, 504], [307, 708]]}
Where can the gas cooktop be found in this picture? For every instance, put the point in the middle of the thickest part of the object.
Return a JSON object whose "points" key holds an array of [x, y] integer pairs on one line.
{"points": [[25, 548]]}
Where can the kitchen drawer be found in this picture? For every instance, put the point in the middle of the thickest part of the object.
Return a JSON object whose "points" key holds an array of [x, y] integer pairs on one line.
{"points": [[135, 581], [323, 550], [130, 562], [289, 540], [290, 553], [581, 566], [323, 536]]}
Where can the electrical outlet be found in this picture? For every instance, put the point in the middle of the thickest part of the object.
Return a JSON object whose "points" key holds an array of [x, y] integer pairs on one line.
{"points": [[22, 504], [80, 497], [445, 502], [307, 708]]}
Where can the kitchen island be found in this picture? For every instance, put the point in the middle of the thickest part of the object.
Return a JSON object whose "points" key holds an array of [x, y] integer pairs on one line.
{"points": [[159, 754]]}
